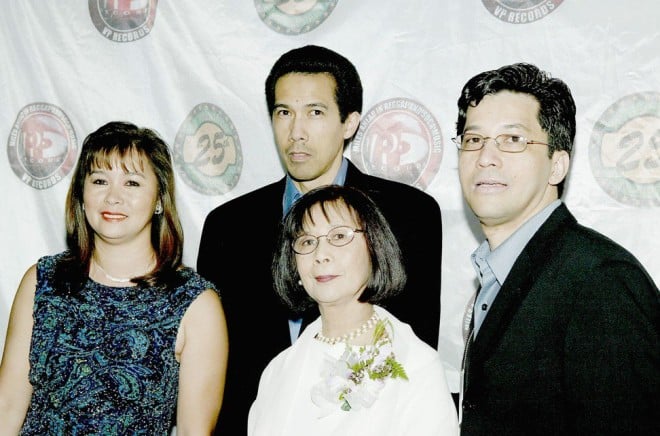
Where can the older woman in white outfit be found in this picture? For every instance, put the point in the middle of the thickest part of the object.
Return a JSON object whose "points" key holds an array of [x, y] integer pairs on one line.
{"points": [[356, 369]]}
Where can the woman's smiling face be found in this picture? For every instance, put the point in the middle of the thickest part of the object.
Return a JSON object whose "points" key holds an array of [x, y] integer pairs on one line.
{"points": [[120, 201], [334, 275]]}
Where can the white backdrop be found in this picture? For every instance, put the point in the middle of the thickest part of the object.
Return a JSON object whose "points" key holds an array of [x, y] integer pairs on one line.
{"points": [[67, 69]]}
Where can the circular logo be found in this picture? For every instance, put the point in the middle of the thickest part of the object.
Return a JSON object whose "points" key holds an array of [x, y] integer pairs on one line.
{"points": [[624, 150], [42, 146], [520, 11], [399, 139], [123, 20], [207, 151], [293, 17]]}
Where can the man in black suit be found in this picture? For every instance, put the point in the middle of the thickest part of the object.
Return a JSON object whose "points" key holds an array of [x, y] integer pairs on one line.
{"points": [[314, 97], [565, 337]]}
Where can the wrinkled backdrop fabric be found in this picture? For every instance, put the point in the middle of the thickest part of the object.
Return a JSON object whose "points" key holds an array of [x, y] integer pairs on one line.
{"points": [[194, 71]]}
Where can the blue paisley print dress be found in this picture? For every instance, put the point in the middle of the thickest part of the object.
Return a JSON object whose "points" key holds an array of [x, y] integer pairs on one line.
{"points": [[103, 362]]}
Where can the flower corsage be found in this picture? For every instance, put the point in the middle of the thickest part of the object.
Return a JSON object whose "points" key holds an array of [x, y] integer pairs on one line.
{"points": [[354, 380]]}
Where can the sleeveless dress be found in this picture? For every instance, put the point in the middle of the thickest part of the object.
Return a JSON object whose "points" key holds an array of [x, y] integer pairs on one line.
{"points": [[103, 362]]}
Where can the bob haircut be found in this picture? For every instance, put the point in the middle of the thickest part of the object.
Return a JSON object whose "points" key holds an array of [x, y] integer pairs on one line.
{"points": [[132, 147], [388, 275]]}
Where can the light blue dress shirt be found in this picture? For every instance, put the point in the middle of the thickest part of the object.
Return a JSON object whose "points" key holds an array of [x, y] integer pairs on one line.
{"points": [[493, 267]]}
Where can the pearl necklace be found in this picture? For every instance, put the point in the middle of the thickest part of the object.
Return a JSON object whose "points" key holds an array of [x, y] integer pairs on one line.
{"points": [[113, 278], [349, 336]]}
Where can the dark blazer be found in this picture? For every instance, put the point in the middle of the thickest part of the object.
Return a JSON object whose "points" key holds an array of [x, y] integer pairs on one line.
{"points": [[571, 344], [236, 248]]}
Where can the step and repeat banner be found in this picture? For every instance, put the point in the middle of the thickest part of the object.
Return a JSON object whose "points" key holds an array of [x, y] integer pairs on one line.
{"points": [[193, 69]]}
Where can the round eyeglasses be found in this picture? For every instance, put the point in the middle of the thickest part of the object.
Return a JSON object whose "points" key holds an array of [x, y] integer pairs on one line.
{"points": [[337, 237], [504, 142]]}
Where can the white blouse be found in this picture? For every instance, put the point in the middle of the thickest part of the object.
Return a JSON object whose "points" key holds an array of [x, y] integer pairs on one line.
{"points": [[421, 405]]}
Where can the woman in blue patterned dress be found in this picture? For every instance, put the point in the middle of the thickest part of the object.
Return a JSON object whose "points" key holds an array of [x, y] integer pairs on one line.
{"points": [[115, 335]]}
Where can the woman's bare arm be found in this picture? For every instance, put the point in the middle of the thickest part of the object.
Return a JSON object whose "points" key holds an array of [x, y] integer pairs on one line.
{"points": [[15, 388], [202, 346]]}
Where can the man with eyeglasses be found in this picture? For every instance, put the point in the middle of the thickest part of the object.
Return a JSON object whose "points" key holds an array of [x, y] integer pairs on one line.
{"points": [[565, 333], [314, 99]]}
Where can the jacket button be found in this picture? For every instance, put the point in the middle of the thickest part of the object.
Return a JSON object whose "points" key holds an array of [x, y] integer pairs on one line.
{"points": [[468, 405]]}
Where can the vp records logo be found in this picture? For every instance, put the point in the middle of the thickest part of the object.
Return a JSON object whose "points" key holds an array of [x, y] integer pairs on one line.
{"points": [[42, 146], [520, 11], [399, 139], [123, 20]]}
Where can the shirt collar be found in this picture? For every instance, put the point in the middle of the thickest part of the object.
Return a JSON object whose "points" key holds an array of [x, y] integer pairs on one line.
{"points": [[501, 260], [291, 193]]}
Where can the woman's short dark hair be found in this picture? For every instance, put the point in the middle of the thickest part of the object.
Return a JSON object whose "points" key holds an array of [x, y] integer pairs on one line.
{"points": [[388, 275], [137, 146]]}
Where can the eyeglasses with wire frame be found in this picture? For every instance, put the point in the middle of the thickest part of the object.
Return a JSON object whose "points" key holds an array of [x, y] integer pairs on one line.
{"points": [[505, 142], [337, 237]]}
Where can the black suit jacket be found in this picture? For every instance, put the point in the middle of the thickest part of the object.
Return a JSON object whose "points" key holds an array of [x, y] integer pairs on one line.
{"points": [[570, 345], [236, 248]]}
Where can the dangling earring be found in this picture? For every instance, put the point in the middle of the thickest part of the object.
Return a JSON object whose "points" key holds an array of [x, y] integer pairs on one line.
{"points": [[299, 282], [159, 208]]}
